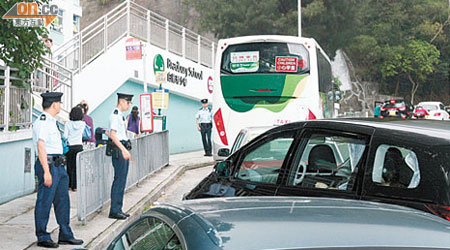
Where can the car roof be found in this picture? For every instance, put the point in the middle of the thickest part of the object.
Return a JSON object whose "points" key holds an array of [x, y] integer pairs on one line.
{"points": [[439, 131], [293, 222], [429, 103]]}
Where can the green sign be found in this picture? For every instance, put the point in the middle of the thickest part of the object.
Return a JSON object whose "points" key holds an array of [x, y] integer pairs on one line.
{"points": [[244, 67], [158, 63]]}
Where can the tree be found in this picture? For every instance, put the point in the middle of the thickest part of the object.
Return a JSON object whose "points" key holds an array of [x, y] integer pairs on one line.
{"points": [[21, 47], [416, 61]]}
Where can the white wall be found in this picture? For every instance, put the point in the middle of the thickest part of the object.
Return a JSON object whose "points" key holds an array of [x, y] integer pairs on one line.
{"points": [[98, 80], [340, 70], [70, 8]]}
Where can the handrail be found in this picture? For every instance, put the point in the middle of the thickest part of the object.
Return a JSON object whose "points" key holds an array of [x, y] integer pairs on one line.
{"points": [[132, 19]]}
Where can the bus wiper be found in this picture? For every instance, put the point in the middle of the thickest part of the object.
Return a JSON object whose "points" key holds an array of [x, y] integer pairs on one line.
{"points": [[225, 71]]}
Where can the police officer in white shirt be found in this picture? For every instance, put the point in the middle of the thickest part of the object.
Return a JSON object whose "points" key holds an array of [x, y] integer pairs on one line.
{"points": [[120, 155], [204, 125], [53, 181]]}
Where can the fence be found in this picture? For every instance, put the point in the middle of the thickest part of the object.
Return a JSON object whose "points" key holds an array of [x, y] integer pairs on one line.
{"points": [[132, 19], [15, 102], [54, 77], [95, 172]]}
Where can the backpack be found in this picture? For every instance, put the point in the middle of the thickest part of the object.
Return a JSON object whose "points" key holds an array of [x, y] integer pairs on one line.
{"points": [[87, 133]]}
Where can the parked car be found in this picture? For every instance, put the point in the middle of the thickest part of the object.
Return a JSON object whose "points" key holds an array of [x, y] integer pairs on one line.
{"points": [[405, 162], [436, 110], [397, 108], [420, 113], [244, 136], [253, 223]]}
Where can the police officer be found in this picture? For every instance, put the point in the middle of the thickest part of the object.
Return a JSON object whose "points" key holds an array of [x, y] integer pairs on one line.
{"points": [[204, 125], [120, 155], [53, 181]]}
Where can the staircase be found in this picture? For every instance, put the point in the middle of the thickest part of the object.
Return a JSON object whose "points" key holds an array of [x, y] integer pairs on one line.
{"points": [[127, 19]]}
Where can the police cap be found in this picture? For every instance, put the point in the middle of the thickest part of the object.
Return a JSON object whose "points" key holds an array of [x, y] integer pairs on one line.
{"points": [[204, 100], [51, 97], [125, 96]]}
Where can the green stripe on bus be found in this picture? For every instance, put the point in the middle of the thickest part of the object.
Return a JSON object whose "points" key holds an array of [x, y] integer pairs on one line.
{"points": [[270, 91]]}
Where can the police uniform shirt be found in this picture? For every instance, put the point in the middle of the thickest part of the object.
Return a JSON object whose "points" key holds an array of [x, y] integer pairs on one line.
{"points": [[117, 123], [44, 128], [204, 115]]}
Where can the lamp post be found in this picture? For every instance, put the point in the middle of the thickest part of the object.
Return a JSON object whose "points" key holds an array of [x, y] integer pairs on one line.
{"points": [[299, 7]]}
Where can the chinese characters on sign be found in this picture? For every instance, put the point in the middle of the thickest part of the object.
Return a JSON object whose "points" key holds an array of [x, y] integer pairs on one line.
{"points": [[28, 22], [247, 61], [133, 49], [286, 64]]}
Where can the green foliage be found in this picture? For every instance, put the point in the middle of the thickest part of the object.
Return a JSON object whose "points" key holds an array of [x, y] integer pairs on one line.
{"points": [[388, 41], [21, 48], [246, 17]]}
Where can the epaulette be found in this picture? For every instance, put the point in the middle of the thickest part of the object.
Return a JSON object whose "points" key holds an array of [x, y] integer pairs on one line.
{"points": [[43, 117], [116, 112]]}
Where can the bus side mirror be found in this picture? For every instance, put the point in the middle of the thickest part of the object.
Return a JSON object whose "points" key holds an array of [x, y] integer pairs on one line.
{"points": [[223, 169], [223, 152], [337, 95]]}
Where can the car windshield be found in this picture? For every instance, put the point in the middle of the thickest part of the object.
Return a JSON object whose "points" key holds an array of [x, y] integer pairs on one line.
{"points": [[268, 57], [394, 105], [430, 107]]}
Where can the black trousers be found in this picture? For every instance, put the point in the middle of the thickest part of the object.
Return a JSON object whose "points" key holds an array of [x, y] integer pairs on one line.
{"points": [[205, 130], [72, 164]]}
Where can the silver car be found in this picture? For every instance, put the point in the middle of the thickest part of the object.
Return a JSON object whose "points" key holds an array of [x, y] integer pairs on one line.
{"points": [[284, 223]]}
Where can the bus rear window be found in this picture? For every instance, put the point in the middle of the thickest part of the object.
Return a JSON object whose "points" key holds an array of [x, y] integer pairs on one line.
{"points": [[271, 57]]}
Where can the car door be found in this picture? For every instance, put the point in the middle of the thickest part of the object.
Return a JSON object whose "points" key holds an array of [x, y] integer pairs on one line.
{"points": [[328, 162], [259, 165]]}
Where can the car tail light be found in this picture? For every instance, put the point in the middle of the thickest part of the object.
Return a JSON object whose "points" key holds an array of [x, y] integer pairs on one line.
{"points": [[402, 108], [311, 115], [441, 211], [218, 120], [437, 114], [382, 109]]}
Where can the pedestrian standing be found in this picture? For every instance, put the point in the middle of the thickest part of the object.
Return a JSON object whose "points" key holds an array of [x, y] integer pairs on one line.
{"points": [[73, 132], [133, 121], [89, 121], [53, 181], [119, 145], [204, 125]]}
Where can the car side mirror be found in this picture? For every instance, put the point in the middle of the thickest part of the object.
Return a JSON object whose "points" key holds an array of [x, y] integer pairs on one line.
{"points": [[223, 169], [223, 152]]}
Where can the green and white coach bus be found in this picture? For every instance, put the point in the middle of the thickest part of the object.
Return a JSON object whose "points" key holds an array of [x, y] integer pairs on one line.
{"points": [[268, 80]]}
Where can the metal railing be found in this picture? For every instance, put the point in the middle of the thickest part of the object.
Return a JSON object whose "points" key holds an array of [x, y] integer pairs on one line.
{"points": [[131, 19], [95, 172], [15, 102], [53, 77]]}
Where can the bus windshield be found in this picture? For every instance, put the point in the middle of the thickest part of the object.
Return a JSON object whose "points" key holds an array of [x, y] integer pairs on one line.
{"points": [[267, 57]]}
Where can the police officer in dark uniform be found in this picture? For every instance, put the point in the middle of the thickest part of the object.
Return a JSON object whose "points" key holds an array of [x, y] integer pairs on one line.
{"points": [[118, 146], [204, 125], [53, 181]]}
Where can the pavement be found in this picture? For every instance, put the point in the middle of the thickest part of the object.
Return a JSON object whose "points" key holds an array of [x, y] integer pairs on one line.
{"points": [[17, 216]]}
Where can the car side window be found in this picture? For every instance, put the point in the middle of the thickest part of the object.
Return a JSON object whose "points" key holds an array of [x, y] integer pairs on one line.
{"points": [[441, 106], [238, 142], [148, 233], [327, 161], [263, 162], [396, 167]]}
